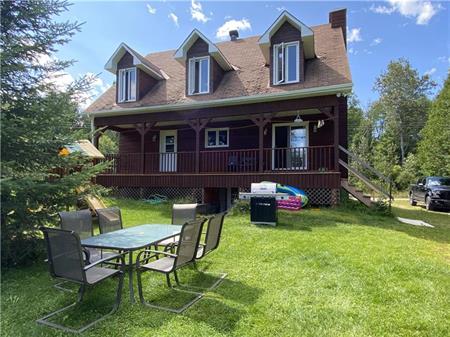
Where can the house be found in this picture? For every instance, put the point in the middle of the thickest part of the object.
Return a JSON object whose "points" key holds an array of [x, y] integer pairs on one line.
{"points": [[209, 119]]}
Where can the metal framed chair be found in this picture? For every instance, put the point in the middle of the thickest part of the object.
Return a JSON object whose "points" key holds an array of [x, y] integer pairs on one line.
{"points": [[109, 219], [181, 213], [212, 240], [66, 262], [170, 263], [81, 223]]}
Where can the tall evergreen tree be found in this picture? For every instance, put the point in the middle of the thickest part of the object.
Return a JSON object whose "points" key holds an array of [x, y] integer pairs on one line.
{"points": [[434, 147], [37, 120]]}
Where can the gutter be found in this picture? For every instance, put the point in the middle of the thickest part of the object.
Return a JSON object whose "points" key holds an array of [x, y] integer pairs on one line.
{"points": [[302, 93]]}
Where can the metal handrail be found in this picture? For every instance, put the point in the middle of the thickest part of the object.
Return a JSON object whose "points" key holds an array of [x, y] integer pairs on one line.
{"points": [[363, 163]]}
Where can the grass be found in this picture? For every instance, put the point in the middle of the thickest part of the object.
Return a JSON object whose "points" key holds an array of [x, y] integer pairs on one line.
{"points": [[321, 272]]}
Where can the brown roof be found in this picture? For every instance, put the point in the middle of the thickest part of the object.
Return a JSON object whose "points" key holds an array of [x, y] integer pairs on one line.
{"points": [[251, 78]]}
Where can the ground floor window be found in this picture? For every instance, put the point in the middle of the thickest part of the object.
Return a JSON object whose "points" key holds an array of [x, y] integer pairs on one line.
{"points": [[218, 137]]}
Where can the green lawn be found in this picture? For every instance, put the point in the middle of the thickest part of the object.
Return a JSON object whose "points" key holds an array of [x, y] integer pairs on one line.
{"points": [[321, 272]]}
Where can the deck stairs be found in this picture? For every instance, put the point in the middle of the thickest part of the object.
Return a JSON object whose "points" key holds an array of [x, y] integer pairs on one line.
{"points": [[383, 186]]}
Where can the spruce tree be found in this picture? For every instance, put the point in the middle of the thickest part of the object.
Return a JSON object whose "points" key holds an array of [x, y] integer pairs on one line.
{"points": [[37, 120]]}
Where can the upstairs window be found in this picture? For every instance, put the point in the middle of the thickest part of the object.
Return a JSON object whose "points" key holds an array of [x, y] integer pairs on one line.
{"points": [[127, 85], [285, 63], [198, 75]]}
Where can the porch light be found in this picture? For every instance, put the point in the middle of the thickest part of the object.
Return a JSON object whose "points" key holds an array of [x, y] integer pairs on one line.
{"points": [[298, 119]]}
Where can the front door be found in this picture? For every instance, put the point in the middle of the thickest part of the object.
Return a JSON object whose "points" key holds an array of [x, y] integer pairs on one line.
{"points": [[168, 151], [289, 145]]}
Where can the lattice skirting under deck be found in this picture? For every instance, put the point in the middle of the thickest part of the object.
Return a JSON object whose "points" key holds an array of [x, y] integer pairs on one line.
{"points": [[317, 196], [172, 193]]}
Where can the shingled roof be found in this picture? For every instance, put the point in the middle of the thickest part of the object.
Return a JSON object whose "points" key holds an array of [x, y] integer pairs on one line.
{"points": [[252, 76]]}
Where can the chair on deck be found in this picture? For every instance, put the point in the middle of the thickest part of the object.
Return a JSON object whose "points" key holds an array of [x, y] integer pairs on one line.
{"points": [[109, 219], [66, 262], [181, 213], [170, 263]]}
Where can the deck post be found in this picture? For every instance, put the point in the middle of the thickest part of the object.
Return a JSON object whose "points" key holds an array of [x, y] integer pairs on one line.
{"points": [[261, 121], [198, 125], [336, 136], [96, 134], [143, 129]]}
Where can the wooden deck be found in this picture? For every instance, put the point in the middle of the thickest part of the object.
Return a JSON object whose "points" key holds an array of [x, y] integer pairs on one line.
{"points": [[308, 167]]}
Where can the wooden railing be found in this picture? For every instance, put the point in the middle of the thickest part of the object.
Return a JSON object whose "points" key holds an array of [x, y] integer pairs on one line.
{"points": [[313, 158]]}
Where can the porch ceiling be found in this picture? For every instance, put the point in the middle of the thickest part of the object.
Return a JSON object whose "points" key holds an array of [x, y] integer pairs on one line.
{"points": [[226, 119]]}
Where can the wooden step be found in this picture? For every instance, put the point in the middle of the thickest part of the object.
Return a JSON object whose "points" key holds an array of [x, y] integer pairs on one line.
{"points": [[358, 194]]}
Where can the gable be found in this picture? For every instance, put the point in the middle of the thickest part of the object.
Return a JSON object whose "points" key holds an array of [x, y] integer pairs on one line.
{"points": [[286, 33], [199, 48]]}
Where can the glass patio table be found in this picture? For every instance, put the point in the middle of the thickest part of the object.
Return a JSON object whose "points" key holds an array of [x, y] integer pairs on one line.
{"points": [[130, 239]]}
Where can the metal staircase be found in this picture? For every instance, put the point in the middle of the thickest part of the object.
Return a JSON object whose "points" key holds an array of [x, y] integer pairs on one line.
{"points": [[383, 187]]}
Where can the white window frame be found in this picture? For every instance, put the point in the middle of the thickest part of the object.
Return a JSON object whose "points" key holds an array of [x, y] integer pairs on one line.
{"points": [[191, 75], [124, 76], [216, 130], [285, 68]]}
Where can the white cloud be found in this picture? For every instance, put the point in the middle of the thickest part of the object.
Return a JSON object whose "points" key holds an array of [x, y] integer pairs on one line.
{"points": [[174, 18], [376, 41], [197, 12], [240, 25], [421, 10], [430, 71], [354, 35], [382, 9], [280, 9], [151, 9]]}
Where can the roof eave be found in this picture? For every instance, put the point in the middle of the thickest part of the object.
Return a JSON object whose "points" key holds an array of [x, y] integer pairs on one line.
{"points": [[336, 89]]}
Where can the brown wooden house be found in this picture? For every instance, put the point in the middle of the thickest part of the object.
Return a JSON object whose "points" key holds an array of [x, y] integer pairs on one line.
{"points": [[215, 117]]}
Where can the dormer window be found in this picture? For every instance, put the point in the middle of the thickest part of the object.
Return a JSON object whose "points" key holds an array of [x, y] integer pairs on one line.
{"points": [[198, 75], [127, 85], [286, 63]]}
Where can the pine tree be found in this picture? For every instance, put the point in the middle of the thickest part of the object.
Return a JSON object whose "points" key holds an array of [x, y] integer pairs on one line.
{"points": [[37, 120], [434, 146]]}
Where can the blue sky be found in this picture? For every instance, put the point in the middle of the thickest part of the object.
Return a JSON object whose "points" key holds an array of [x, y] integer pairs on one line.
{"points": [[377, 32]]}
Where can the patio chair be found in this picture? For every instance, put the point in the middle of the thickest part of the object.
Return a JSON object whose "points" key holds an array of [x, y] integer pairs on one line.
{"points": [[109, 219], [212, 240], [81, 223], [66, 262], [181, 213], [170, 263]]}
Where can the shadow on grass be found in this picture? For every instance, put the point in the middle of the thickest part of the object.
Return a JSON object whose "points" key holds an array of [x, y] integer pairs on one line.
{"points": [[358, 215]]}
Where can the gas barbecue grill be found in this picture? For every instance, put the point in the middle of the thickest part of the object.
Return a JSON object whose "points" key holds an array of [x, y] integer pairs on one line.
{"points": [[263, 203]]}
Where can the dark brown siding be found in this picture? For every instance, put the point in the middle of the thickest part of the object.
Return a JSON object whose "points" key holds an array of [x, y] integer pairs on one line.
{"points": [[199, 49], [338, 19], [300, 180], [130, 142], [126, 61], [287, 33], [216, 75], [243, 135], [145, 83], [343, 130], [224, 111]]}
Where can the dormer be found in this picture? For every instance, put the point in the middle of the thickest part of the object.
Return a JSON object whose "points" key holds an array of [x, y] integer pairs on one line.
{"points": [[286, 44], [204, 63], [135, 75]]}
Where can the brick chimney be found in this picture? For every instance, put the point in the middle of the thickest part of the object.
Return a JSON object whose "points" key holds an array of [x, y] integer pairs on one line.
{"points": [[338, 18]]}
